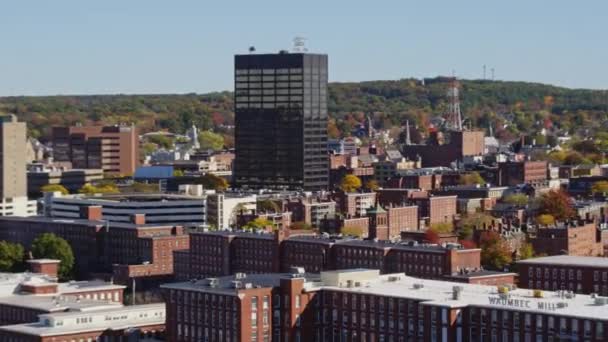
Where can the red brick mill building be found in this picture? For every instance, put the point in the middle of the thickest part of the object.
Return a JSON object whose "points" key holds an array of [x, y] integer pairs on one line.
{"points": [[362, 305], [221, 253]]}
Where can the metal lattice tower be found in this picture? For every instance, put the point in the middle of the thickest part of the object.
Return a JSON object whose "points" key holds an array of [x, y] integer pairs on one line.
{"points": [[453, 116]]}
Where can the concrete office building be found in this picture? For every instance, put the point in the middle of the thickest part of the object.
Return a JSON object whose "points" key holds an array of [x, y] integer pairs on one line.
{"points": [[163, 209], [223, 208], [13, 184], [39, 176], [92, 323], [281, 121]]}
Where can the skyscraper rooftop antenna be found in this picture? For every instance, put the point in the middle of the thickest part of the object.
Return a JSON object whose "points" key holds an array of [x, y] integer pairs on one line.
{"points": [[299, 44], [453, 116]]}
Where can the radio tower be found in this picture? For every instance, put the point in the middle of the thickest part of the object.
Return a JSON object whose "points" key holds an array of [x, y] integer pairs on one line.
{"points": [[453, 117]]}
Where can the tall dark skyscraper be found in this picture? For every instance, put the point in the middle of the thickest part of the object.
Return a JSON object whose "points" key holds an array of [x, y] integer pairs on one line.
{"points": [[281, 121]]}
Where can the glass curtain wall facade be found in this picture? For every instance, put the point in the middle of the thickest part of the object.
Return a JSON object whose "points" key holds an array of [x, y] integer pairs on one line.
{"points": [[281, 121]]}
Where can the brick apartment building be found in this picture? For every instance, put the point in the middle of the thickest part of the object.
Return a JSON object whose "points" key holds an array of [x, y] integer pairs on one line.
{"points": [[114, 149], [436, 209], [361, 305], [524, 172], [435, 153], [564, 272], [576, 237], [126, 250], [222, 253]]}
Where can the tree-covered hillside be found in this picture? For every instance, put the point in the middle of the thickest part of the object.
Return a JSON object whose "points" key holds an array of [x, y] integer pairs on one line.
{"points": [[511, 107]]}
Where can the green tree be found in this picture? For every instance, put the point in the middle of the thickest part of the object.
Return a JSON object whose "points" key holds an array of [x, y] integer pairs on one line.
{"points": [[210, 140], [350, 183], [11, 256], [161, 140], [519, 199], [599, 187], [50, 246], [55, 188], [495, 253], [471, 179], [178, 173]]}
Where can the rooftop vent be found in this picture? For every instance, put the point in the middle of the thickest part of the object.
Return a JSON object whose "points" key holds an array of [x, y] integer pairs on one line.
{"points": [[213, 282], [457, 292], [236, 284], [418, 286], [601, 300], [240, 275]]}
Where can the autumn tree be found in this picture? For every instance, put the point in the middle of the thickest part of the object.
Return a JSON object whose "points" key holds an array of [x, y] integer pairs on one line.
{"points": [[211, 181], [526, 251], [442, 227], [104, 188], [471, 179], [300, 225], [556, 203], [431, 236], [350, 183], [54, 188], [258, 224], [371, 185], [267, 205], [352, 231], [545, 219], [495, 253], [599, 187], [160, 140]]}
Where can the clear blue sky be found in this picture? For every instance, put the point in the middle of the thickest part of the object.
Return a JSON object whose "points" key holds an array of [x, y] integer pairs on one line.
{"points": [[137, 46]]}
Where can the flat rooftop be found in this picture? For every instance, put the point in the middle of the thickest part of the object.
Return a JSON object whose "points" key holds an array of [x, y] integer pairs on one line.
{"points": [[568, 260], [57, 303], [121, 318], [82, 222], [429, 292]]}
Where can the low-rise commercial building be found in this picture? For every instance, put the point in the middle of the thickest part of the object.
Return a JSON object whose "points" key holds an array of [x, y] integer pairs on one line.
{"points": [[103, 323], [72, 180], [162, 209]]}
